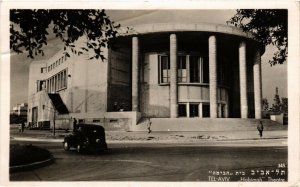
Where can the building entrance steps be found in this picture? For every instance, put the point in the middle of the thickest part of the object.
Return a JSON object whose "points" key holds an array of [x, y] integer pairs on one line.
{"points": [[205, 124]]}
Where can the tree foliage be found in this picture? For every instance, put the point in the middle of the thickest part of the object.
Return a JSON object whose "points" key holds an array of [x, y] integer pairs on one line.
{"points": [[265, 104], [279, 105], [29, 30], [284, 105], [269, 26]]}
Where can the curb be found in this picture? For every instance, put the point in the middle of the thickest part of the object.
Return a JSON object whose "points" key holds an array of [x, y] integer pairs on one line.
{"points": [[155, 141], [31, 166]]}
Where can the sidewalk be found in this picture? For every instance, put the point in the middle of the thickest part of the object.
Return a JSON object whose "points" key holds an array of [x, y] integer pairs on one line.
{"points": [[153, 137]]}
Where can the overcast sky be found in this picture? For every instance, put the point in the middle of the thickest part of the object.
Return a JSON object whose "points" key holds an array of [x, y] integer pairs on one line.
{"points": [[272, 77]]}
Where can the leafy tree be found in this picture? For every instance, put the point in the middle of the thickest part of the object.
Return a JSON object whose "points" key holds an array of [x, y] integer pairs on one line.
{"points": [[265, 104], [29, 30], [284, 105], [276, 106], [269, 26]]}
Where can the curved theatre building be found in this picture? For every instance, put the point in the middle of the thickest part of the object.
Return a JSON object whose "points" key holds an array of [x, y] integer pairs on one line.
{"points": [[156, 71]]}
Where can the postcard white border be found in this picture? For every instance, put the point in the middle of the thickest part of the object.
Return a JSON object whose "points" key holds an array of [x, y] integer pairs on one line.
{"points": [[293, 79]]}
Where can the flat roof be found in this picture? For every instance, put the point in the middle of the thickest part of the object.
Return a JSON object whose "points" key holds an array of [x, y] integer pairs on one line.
{"points": [[187, 27], [183, 27]]}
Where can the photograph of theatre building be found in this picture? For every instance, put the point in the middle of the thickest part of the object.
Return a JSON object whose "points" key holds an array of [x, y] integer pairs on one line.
{"points": [[166, 72]]}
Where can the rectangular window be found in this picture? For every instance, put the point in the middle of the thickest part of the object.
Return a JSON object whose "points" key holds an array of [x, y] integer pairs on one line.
{"points": [[192, 69], [182, 110], [206, 110], [181, 65], [194, 110], [195, 69], [65, 79], [62, 79], [48, 68], [58, 82], [41, 85], [52, 87], [43, 70], [205, 70], [164, 69], [48, 85]]}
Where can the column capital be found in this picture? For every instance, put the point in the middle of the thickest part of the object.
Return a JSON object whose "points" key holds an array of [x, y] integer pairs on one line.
{"points": [[173, 36]]}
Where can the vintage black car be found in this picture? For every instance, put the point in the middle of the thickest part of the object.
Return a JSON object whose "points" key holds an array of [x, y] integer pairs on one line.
{"points": [[86, 137]]}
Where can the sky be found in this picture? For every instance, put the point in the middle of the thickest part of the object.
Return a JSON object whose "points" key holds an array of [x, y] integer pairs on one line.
{"points": [[272, 77]]}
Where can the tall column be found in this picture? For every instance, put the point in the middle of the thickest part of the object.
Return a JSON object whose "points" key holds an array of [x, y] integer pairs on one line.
{"points": [[173, 76], [257, 84], [188, 110], [135, 73], [243, 80], [212, 50]]}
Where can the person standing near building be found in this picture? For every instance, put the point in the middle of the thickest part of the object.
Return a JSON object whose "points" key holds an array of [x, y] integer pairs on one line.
{"points": [[22, 126], [149, 125], [260, 129]]}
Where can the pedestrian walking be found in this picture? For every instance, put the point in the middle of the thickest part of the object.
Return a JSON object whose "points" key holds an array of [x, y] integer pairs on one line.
{"points": [[260, 129], [22, 126], [149, 125]]}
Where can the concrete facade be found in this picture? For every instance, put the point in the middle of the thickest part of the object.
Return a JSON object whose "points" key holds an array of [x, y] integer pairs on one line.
{"points": [[157, 71]]}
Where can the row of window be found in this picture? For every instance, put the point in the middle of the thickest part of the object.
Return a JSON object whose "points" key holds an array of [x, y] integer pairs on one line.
{"points": [[57, 82], [194, 110], [197, 110], [190, 69], [56, 63]]}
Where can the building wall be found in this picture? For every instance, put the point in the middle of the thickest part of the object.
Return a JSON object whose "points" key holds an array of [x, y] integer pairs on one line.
{"points": [[154, 98], [87, 86], [85, 94], [34, 75], [41, 101]]}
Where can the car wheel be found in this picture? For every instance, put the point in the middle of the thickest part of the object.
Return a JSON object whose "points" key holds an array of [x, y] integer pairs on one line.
{"points": [[66, 146], [79, 148]]}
